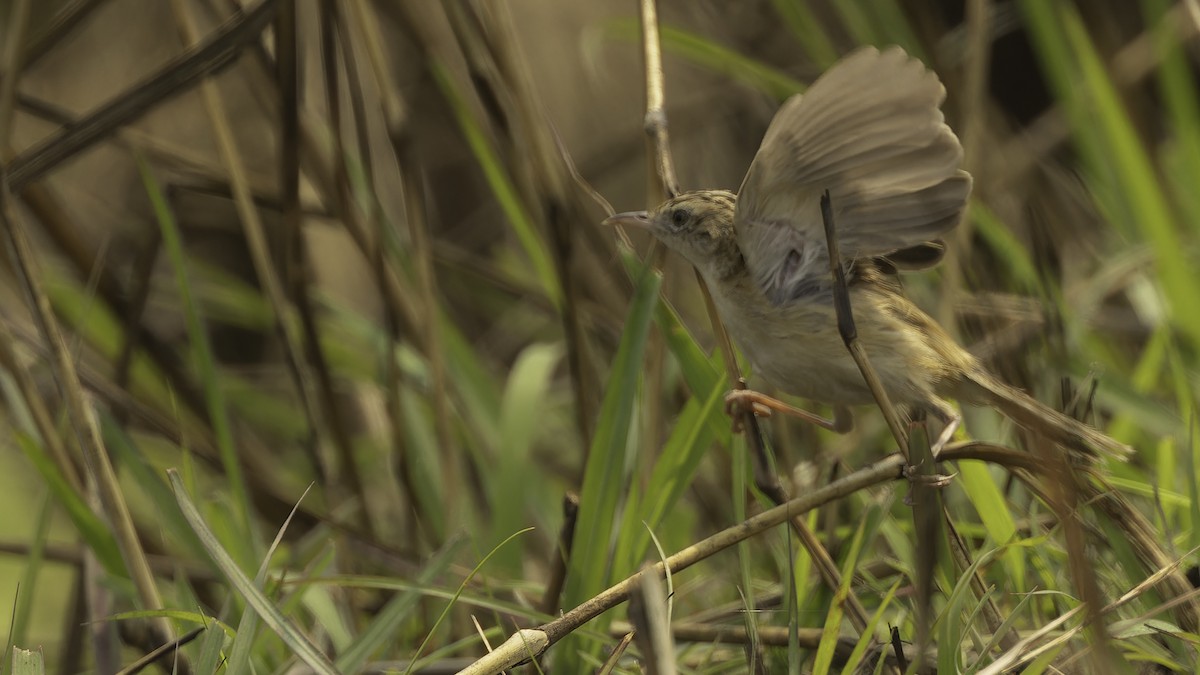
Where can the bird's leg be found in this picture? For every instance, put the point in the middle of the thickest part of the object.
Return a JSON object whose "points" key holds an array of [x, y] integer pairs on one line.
{"points": [[762, 406], [950, 419]]}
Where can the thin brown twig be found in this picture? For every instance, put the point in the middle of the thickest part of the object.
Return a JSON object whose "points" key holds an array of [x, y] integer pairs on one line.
{"points": [[335, 42], [610, 664], [81, 414], [849, 333], [297, 260], [69, 17], [164, 653], [215, 53], [562, 553], [534, 641]]}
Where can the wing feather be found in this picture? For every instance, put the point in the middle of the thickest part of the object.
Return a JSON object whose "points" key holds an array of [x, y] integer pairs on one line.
{"points": [[870, 131]]}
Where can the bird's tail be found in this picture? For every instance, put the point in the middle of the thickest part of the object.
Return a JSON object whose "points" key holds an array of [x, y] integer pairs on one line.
{"points": [[1042, 419]]}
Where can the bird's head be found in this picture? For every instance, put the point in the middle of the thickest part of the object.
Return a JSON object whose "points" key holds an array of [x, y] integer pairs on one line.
{"points": [[697, 225]]}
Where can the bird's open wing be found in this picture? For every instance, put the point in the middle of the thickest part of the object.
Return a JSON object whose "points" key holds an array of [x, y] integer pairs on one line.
{"points": [[871, 132]]}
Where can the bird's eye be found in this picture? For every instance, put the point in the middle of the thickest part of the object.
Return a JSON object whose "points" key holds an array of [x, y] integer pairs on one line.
{"points": [[679, 217]]}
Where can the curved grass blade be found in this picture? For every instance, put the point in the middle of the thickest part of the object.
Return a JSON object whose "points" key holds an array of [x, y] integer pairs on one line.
{"points": [[254, 597]]}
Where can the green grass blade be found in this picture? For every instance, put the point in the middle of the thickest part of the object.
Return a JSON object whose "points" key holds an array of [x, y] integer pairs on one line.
{"points": [[1123, 178], [23, 611], [249, 591], [461, 587], [993, 510], [502, 188], [808, 30], [214, 394], [27, 662], [167, 514], [712, 56], [386, 623], [605, 470], [521, 415], [669, 479], [1011, 252], [95, 533], [868, 635], [833, 620]]}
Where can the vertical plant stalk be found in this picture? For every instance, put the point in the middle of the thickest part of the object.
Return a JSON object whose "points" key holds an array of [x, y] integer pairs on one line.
{"points": [[43, 420], [284, 313], [1061, 485], [849, 332], [296, 261], [561, 554], [399, 133], [336, 40], [650, 616], [655, 121]]}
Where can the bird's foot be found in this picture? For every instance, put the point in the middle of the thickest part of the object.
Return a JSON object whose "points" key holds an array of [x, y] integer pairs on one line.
{"points": [[914, 474], [920, 479], [739, 401], [943, 438]]}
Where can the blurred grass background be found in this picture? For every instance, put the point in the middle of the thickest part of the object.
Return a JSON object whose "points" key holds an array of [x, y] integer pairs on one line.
{"points": [[387, 285]]}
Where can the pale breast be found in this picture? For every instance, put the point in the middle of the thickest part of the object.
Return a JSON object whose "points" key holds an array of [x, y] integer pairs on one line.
{"points": [[796, 348]]}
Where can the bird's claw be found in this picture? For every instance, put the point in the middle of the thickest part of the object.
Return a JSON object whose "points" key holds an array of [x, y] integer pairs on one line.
{"points": [[912, 472], [738, 401]]}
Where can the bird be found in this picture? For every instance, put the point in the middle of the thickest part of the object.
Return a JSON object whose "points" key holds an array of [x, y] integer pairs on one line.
{"points": [[870, 133]]}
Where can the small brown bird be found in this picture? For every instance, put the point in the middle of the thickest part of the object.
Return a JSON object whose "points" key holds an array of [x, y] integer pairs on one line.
{"points": [[869, 131]]}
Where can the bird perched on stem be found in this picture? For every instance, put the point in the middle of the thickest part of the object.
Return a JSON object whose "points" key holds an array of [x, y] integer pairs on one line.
{"points": [[871, 132]]}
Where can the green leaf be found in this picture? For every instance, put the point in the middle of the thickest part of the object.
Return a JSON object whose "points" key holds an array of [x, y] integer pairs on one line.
{"points": [[521, 415], [605, 470], [95, 532], [993, 510]]}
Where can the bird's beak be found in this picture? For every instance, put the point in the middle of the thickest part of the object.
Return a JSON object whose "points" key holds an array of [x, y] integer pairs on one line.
{"points": [[638, 219]]}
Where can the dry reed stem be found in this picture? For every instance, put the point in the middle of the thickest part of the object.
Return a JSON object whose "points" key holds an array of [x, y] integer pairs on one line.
{"points": [[649, 615], [284, 313], [610, 664], [215, 53], [849, 333], [532, 642], [297, 272]]}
